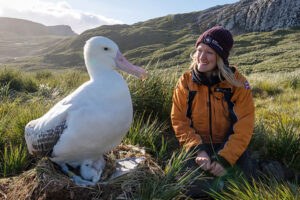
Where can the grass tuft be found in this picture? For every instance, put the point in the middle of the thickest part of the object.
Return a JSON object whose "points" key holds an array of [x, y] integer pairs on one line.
{"points": [[258, 190], [14, 159], [148, 133], [154, 95], [17, 82], [278, 139], [43, 75], [172, 183]]}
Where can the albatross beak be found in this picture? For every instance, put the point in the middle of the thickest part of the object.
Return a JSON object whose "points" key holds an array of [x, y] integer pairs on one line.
{"points": [[123, 64]]}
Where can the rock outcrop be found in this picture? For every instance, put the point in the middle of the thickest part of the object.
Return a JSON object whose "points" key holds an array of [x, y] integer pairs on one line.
{"points": [[252, 15], [63, 30]]}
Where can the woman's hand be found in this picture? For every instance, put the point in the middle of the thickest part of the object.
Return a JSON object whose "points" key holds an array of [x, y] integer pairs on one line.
{"points": [[217, 169], [203, 160]]}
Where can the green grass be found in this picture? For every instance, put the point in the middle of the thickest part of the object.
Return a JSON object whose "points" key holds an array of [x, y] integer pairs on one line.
{"points": [[276, 134], [148, 133], [15, 81], [253, 190], [275, 51], [172, 182], [14, 159], [5, 91], [277, 129], [161, 43], [278, 139], [153, 95]]}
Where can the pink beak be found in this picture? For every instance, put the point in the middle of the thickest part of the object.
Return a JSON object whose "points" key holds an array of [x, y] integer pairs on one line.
{"points": [[123, 64]]}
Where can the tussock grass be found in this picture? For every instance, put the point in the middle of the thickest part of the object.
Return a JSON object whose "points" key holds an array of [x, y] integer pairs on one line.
{"points": [[173, 181], [14, 159], [14, 116], [5, 92], [279, 94], [17, 82], [264, 85], [253, 190], [278, 139], [150, 133], [276, 134], [45, 74], [145, 132], [284, 142], [66, 81], [154, 95], [265, 88]]}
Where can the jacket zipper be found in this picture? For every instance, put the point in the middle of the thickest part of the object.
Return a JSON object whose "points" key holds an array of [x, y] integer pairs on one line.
{"points": [[209, 104]]}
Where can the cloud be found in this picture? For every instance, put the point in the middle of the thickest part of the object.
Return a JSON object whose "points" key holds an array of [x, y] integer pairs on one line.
{"points": [[49, 14]]}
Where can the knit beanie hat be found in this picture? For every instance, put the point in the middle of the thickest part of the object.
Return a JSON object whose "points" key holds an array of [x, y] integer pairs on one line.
{"points": [[219, 39]]}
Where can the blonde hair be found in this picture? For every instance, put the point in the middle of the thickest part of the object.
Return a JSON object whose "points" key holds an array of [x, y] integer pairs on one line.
{"points": [[220, 70]]}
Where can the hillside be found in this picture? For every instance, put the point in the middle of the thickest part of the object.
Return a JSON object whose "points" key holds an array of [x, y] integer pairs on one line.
{"points": [[253, 52], [23, 38], [167, 41], [21, 27]]}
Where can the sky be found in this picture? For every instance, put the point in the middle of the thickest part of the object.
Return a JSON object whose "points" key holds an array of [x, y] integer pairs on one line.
{"points": [[82, 15]]}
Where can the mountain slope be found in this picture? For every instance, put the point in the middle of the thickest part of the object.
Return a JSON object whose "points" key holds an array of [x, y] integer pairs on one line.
{"points": [[167, 41], [21, 27], [23, 38], [273, 51]]}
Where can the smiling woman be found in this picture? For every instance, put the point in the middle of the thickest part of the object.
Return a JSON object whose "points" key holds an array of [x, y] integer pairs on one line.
{"points": [[213, 112], [206, 59]]}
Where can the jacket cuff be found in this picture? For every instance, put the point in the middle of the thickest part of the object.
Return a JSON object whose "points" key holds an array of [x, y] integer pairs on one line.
{"points": [[221, 160]]}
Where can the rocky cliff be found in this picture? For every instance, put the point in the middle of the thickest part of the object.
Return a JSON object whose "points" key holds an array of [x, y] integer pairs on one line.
{"points": [[246, 16], [261, 15]]}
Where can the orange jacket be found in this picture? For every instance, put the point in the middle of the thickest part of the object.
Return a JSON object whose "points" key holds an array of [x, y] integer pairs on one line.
{"points": [[221, 111]]}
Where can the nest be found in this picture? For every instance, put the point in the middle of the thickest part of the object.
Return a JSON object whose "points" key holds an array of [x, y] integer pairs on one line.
{"points": [[46, 181]]}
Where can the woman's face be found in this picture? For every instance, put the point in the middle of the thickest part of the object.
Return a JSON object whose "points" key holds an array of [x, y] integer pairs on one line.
{"points": [[206, 58]]}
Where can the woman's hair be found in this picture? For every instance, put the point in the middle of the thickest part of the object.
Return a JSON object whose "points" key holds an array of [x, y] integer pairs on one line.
{"points": [[221, 70]]}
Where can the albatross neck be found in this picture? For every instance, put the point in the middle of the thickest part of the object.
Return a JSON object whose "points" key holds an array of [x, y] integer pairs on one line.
{"points": [[100, 72]]}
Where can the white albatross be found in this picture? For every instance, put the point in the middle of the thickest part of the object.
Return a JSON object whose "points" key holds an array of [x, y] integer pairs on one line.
{"points": [[92, 120]]}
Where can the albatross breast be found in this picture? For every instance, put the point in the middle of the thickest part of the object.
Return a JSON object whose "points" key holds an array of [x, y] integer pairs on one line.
{"points": [[100, 122]]}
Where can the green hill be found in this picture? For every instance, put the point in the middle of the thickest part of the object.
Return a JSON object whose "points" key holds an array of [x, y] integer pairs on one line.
{"points": [[264, 39], [22, 38], [21, 27], [273, 51]]}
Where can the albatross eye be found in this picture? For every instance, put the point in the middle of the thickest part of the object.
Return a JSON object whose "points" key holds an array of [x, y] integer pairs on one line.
{"points": [[105, 49]]}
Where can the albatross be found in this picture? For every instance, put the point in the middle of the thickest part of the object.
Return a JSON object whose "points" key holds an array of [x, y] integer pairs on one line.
{"points": [[92, 120]]}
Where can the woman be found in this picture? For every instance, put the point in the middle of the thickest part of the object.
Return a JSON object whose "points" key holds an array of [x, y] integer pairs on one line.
{"points": [[213, 109]]}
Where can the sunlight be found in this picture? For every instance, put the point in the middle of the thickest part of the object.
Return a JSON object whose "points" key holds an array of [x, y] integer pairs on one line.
{"points": [[18, 4], [53, 13]]}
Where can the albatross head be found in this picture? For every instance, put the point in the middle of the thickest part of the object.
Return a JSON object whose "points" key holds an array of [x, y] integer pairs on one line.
{"points": [[101, 53]]}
